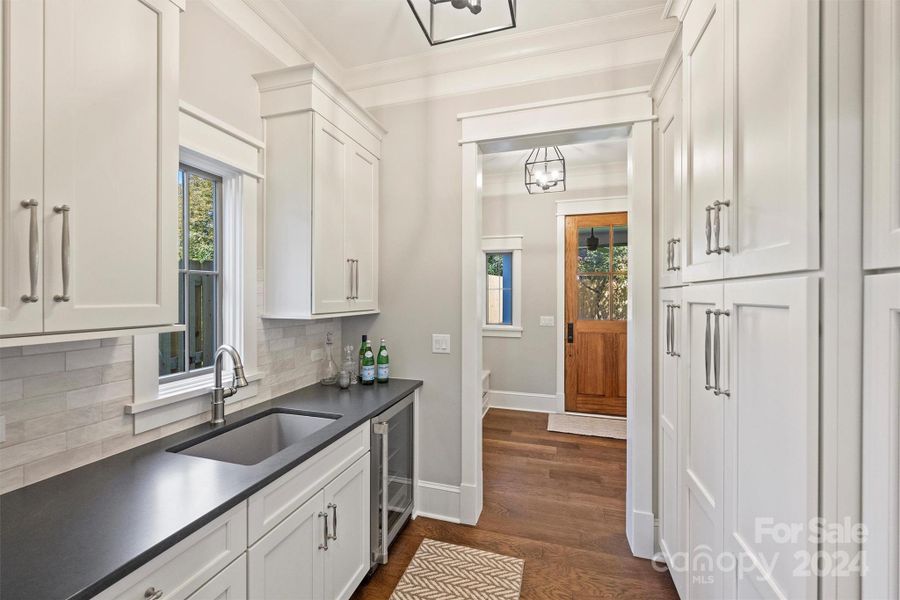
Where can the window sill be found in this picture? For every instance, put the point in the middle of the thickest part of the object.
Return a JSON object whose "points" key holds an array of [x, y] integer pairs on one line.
{"points": [[188, 389], [507, 331]]}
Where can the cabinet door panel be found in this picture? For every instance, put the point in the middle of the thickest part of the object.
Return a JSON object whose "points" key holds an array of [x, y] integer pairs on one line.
{"points": [[772, 223], [361, 223], [111, 156], [881, 437], [771, 432], [704, 143], [331, 271], [670, 492], [347, 503], [881, 240], [21, 160], [702, 446], [287, 562], [670, 188]]}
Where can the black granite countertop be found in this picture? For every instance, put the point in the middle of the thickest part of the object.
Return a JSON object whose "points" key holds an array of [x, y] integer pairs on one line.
{"points": [[75, 534]]}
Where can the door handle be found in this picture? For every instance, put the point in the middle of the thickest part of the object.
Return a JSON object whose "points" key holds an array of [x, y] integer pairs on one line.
{"points": [[668, 255], [570, 333], [64, 210], [709, 249], [333, 508], [717, 354], [32, 205], [325, 536], [356, 284], [708, 348], [674, 266], [350, 275], [382, 429], [717, 226], [668, 318]]}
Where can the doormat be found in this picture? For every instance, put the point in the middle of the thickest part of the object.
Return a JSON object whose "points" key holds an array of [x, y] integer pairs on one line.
{"points": [[607, 427], [440, 571]]}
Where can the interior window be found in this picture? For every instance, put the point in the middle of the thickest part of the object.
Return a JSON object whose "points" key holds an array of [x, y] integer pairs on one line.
{"points": [[499, 288], [199, 279]]}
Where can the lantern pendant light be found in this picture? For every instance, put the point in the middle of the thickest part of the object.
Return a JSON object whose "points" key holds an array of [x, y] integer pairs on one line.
{"points": [[445, 21], [545, 171]]}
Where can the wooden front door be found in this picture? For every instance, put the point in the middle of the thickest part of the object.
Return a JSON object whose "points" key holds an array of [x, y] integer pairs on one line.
{"points": [[596, 313]]}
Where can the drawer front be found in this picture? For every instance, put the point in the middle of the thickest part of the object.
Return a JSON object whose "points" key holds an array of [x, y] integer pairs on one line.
{"points": [[184, 568], [230, 584], [276, 501]]}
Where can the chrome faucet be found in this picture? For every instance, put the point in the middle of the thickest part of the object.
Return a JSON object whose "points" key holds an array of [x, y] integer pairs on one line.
{"points": [[219, 393]]}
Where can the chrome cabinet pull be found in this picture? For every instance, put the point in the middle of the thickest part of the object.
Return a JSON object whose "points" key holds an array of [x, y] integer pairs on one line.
{"points": [[350, 275], [717, 226], [717, 352], [326, 536], [668, 255], [356, 279], [668, 327], [32, 205], [64, 210], [333, 508], [153, 594], [708, 347], [709, 249], [674, 307], [674, 266]]}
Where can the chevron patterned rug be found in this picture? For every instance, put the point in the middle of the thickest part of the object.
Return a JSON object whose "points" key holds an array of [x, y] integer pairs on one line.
{"points": [[442, 571]]}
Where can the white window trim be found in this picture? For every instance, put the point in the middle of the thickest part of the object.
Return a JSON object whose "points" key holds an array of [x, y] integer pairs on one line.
{"points": [[513, 244], [218, 149]]}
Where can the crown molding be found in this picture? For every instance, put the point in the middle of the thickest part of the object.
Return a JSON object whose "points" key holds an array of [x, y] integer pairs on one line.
{"points": [[668, 67], [244, 19], [603, 58]]}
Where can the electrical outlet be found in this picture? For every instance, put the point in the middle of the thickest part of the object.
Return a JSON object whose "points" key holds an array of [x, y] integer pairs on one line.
{"points": [[548, 321], [440, 343], [317, 354]]}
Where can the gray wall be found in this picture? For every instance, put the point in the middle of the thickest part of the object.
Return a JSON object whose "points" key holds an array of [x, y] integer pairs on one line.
{"points": [[420, 225]]}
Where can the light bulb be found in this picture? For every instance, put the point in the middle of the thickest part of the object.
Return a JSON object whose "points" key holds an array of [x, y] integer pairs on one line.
{"points": [[554, 175], [475, 6], [459, 3]]}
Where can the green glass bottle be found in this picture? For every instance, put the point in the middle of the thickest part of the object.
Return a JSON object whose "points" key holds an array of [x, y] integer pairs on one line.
{"points": [[367, 370], [362, 354], [383, 370]]}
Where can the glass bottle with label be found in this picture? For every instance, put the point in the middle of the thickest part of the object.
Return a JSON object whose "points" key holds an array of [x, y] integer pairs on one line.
{"points": [[382, 372], [367, 370], [362, 354]]}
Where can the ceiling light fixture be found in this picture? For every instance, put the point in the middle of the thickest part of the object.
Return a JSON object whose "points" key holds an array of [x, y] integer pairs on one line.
{"points": [[545, 169], [445, 21]]}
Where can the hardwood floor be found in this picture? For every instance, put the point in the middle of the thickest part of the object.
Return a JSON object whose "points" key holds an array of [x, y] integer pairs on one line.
{"points": [[554, 499]]}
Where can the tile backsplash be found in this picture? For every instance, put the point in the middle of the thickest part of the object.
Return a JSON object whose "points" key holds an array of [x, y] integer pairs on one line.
{"points": [[63, 404]]}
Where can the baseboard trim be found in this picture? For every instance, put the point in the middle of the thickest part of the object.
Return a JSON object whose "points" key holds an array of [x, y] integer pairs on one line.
{"points": [[544, 403], [438, 501]]}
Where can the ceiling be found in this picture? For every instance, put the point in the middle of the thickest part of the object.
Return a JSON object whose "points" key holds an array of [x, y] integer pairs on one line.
{"points": [[576, 155], [360, 32]]}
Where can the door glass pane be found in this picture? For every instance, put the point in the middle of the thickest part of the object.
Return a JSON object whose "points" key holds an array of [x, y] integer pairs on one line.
{"points": [[620, 248], [400, 466], [202, 222], [593, 249], [619, 302], [593, 297], [202, 319]]}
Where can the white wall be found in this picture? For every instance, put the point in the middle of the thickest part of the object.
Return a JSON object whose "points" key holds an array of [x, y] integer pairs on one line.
{"points": [[420, 220]]}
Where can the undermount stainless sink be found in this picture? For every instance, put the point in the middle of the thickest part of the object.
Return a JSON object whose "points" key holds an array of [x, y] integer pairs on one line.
{"points": [[254, 441]]}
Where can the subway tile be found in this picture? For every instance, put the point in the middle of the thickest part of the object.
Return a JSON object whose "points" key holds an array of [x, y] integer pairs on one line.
{"points": [[60, 347], [97, 357], [123, 442], [11, 390], [15, 434], [117, 372], [99, 431], [280, 344], [62, 462], [62, 421], [10, 352], [32, 408], [32, 450], [61, 382], [118, 341], [114, 408], [27, 366], [11, 479], [99, 394]]}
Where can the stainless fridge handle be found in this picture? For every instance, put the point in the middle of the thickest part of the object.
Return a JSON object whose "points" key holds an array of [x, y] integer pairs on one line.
{"points": [[717, 351], [709, 210], [333, 508], [708, 348], [381, 429], [717, 205], [325, 536], [32, 205], [64, 210]]}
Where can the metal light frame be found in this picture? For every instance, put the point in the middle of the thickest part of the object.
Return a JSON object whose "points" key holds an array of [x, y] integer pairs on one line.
{"points": [[430, 28], [551, 156]]}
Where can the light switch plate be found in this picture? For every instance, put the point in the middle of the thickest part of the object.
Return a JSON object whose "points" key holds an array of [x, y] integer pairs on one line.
{"points": [[548, 321], [440, 343], [317, 354]]}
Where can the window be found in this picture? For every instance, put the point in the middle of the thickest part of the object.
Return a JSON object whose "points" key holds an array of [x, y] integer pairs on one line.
{"points": [[200, 282], [603, 273], [503, 285]]}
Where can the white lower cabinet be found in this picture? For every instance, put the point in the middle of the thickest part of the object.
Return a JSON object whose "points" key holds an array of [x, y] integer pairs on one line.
{"points": [[230, 584], [749, 381], [347, 504]]}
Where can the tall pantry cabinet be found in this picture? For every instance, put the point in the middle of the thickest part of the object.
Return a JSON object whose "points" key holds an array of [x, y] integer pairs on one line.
{"points": [[742, 411], [75, 189]]}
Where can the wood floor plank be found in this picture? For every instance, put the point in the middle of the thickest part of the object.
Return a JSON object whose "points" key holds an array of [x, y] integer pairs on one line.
{"points": [[555, 500]]}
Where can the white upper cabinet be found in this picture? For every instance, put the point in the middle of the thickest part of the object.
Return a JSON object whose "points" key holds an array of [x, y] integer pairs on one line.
{"points": [[93, 142], [703, 39], [770, 224], [669, 136], [881, 239], [751, 138], [322, 163]]}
